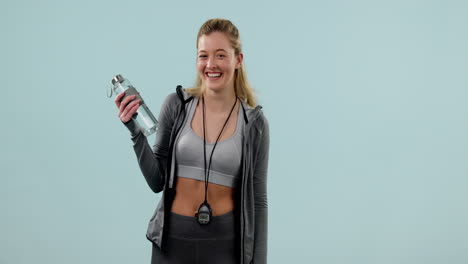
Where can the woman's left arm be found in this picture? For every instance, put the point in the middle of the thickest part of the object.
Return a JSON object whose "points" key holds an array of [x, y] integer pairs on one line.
{"points": [[260, 195]]}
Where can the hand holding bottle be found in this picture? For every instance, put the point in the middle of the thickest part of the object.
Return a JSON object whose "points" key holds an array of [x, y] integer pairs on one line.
{"points": [[127, 107], [128, 100]]}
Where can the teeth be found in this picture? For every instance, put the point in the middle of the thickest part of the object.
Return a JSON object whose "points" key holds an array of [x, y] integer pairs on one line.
{"points": [[214, 75]]}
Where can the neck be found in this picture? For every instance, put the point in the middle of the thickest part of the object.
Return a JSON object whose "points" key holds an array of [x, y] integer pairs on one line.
{"points": [[219, 102]]}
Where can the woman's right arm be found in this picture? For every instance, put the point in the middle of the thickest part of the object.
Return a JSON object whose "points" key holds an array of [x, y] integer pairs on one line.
{"points": [[152, 162]]}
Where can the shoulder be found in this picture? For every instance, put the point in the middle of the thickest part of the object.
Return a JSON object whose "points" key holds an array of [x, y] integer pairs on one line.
{"points": [[172, 103], [258, 129], [173, 100], [257, 116], [260, 135], [262, 123]]}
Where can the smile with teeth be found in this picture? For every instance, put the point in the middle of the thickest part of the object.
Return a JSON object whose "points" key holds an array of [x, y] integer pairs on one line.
{"points": [[214, 74]]}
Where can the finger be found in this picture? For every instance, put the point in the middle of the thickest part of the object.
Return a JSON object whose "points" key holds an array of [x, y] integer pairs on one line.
{"points": [[118, 99], [130, 107], [123, 106], [127, 99], [129, 114], [125, 102]]}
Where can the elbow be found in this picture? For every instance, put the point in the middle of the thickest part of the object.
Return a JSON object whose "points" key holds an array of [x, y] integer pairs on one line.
{"points": [[155, 182], [156, 188], [154, 175]]}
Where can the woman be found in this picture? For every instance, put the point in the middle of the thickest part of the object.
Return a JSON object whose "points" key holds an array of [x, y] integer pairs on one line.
{"points": [[210, 159]]}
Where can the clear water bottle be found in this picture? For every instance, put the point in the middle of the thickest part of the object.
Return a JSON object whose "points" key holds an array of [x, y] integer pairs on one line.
{"points": [[143, 117]]}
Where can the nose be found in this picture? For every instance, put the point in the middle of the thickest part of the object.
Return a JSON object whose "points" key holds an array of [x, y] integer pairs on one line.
{"points": [[211, 63]]}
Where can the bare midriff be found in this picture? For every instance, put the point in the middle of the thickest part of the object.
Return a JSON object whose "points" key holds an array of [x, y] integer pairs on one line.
{"points": [[190, 194]]}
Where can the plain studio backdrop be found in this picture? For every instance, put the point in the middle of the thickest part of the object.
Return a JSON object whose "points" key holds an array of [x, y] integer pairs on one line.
{"points": [[367, 104]]}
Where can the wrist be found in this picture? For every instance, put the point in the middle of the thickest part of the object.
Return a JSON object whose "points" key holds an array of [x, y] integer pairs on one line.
{"points": [[133, 127]]}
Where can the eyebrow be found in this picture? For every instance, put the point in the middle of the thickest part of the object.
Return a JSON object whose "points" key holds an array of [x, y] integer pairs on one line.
{"points": [[216, 50]]}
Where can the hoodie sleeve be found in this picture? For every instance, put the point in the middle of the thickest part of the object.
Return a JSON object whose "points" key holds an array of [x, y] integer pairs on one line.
{"points": [[153, 162], [260, 195]]}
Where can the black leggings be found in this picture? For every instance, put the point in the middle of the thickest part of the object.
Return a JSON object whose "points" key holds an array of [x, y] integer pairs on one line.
{"points": [[190, 242]]}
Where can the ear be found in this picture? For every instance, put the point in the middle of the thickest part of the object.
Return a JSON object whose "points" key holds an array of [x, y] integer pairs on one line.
{"points": [[240, 59]]}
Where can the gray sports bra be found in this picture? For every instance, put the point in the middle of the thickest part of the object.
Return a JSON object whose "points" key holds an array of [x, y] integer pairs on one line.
{"points": [[226, 161]]}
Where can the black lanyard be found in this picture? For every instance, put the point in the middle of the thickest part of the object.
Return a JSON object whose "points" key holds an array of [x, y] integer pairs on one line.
{"points": [[204, 212]]}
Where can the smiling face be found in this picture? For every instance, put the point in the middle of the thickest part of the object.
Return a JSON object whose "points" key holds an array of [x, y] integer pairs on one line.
{"points": [[217, 62]]}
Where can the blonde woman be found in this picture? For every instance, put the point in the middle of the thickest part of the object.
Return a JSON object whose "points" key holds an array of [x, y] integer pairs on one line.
{"points": [[210, 159]]}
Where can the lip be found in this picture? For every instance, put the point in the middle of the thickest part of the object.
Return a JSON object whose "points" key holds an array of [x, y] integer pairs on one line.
{"points": [[213, 78]]}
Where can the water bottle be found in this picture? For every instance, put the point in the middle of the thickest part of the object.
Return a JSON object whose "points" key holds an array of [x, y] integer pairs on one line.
{"points": [[143, 117]]}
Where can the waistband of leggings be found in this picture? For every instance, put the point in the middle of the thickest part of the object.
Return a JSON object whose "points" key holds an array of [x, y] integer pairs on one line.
{"points": [[229, 216], [187, 227]]}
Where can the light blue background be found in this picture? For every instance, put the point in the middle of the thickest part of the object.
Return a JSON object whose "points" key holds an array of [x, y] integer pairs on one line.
{"points": [[367, 103]]}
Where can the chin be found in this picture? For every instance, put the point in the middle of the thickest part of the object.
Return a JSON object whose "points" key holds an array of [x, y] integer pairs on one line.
{"points": [[214, 87]]}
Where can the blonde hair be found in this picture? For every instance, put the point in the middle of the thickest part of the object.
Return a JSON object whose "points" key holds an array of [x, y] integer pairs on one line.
{"points": [[242, 86]]}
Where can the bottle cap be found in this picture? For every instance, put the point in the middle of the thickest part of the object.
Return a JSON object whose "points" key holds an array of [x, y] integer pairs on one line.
{"points": [[118, 78]]}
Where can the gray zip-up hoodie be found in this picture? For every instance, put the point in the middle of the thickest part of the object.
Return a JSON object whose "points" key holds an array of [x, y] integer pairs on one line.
{"points": [[158, 168]]}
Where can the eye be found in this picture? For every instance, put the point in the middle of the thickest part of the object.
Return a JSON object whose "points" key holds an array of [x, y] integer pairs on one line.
{"points": [[221, 56], [202, 56]]}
